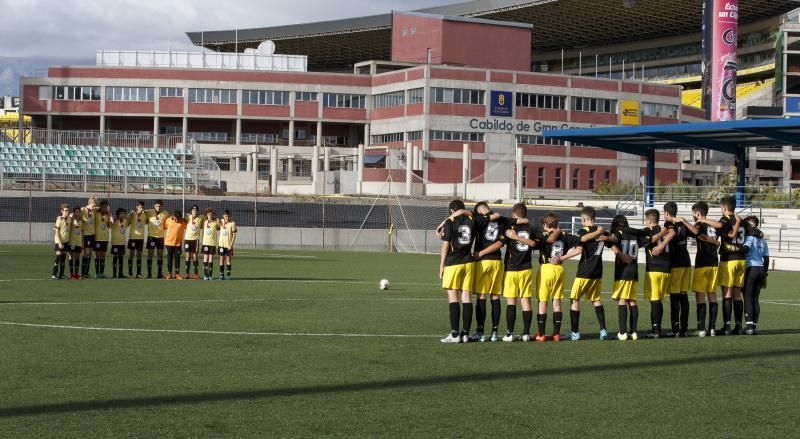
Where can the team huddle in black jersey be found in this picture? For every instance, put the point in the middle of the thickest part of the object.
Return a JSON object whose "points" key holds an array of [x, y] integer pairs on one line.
{"points": [[731, 253]]}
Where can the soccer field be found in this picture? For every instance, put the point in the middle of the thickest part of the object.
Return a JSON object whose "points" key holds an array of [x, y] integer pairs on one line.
{"points": [[305, 344]]}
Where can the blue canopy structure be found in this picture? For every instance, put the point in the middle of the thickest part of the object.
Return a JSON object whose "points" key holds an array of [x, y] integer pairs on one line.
{"points": [[733, 137]]}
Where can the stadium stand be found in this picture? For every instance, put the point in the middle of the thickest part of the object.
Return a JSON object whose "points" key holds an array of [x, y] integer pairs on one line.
{"points": [[64, 161], [694, 98]]}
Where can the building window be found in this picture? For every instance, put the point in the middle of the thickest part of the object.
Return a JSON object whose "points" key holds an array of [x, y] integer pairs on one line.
{"points": [[265, 97], [337, 100], [591, 179], [576, 177], [259, 139], [416, 96], [208, 136], [594, 105], [540, 178], [414, 135], [665, 111], [608, 176], [525, 139], [386, 100], [69, 93], [171, 92], [387, 138], [224, 163], [558, 178], [130, 94], [524, 176], [211, 96], [458, 96], [263, 165], [305, 96], [552, 102], [456, 136]]}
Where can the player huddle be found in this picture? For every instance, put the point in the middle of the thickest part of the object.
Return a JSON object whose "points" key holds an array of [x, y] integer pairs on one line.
{"points": [[82, 231], [731, 253]]}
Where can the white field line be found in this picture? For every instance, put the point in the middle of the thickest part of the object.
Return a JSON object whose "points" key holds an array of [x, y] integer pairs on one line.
{"points": [[191, 331], [300, 281], [771, 302], [159, 302]]}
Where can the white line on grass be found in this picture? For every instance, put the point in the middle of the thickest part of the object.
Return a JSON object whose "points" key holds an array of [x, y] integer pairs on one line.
{"points": [[191, 331], [294, 299], [301, 281], [780, 303]]}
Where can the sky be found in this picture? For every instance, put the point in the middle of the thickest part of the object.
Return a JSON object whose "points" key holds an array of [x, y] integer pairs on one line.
{"points": [[77, 28]]}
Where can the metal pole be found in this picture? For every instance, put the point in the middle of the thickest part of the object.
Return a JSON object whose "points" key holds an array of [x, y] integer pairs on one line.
{"points": [[255, 198], [596, 65], [30, 196]]}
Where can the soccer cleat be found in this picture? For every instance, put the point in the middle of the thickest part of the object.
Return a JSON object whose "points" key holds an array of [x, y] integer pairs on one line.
{"points": [[494, 337], [526, 338], [634, 336], [750, 331], [683, 333], [196, 276], [178, 277], [449, 339], [726, 330], [621, 336], [556, 338], [712, 332], [603, 334], [701, 333], [474, 338], [54, 277], [670, 334], [169, 277], [540, 338], [509, 337], [653, 335], [737, 330], [465, 338], [574, 336]]}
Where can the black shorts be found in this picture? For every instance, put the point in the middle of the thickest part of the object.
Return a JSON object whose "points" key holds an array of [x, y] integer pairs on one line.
{"points": [[174, 249], [88, 241], [157, 243], [209, 250], [65, 249], [73, 248], [223, 251], [190, 246], [100, 246], [117, 249], [136, 244]]}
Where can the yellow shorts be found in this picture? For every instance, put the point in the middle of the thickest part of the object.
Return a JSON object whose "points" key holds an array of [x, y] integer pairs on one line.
{"points": [[459, 277], [589, 288], [518, 284], [680, 279], [550, 282], [705, 280], [656, 286], [731, 273], [488, 277], [625, 289]]}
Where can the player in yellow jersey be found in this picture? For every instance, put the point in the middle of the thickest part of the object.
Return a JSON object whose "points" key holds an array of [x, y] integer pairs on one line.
{"points": [[227, 236], [174, 228], [194, 231], [87, 230], [211, 226], [103, 220], [137, 220], [155, 238], [75, 243], [62, 230], [119, 231]]}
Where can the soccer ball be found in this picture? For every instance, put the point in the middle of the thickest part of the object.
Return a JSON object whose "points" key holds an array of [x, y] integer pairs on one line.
{"points": [[383, 284]]}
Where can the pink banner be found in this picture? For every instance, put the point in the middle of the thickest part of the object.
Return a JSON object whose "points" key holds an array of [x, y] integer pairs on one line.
{"points": [[724, 60]]}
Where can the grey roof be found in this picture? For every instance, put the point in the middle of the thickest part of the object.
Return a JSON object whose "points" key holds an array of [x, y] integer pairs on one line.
{"points": [[557, 24]]}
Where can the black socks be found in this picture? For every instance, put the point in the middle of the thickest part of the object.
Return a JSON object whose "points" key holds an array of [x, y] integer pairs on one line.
{"points": [[656, 315], [511, 318], [467, 315], [738, 311], [527, 317], [480, 314], [713, 310], [574, 319], [495, 314], [556, 322], [455, 311], [541, 322], [727, 305], [600, 312], [634, 318], [622, 315], [701, 316]]}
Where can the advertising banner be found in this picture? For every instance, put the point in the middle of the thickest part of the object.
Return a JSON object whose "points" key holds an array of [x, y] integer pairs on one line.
{"points": [[501, 104], [630, 113], [723, 60]]}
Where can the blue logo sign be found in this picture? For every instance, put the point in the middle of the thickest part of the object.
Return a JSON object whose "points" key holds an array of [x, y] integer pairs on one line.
{"points": [[502, 104], [792, 105]]}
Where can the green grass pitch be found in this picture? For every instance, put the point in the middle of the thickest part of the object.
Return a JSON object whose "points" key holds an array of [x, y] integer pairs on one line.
{"points": [[226, 359]]}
